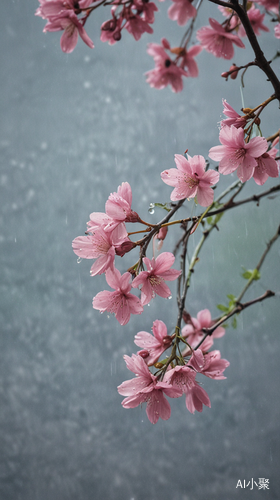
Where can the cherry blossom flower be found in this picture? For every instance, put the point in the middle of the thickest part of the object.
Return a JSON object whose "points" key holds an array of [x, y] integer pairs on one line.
{"points": [[136, 26], [266, 167], [111, 30], [256, 19], [210, 364], [217, 40], [236, 154], [190, 180], [183, 378], [187, 60], [101, 246], [152, 281], [154, 344], [120, 302], [193, 332], [166, 71], [271, 5], [233, 117], [68, 21], [146, 388], [118, 207], [181, 11]]}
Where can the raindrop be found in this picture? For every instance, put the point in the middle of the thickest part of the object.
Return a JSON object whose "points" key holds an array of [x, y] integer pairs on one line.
{"points": [[152, 208], [170, 297], [79, 260]]}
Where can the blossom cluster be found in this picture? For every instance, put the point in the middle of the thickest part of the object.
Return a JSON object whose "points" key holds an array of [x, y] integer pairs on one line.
{"points": [[173, 378], [106, 238], [136, 17], [249, 157]]}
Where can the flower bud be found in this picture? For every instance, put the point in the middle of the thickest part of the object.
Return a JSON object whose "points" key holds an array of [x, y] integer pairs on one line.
{"points": [[132, 217], [167, 341], [159, 365], [162, 233], [247, 111], [125, 247], [144, 353], [117, 36], [225, 74], [234, 74]]}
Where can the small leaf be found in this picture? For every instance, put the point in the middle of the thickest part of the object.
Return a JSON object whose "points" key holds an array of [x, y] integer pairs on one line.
{"points": [[256, 274], [223, 308], [209, 220], [231, 297]]}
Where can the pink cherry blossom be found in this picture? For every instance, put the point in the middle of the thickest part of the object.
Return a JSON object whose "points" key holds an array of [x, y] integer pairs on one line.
{"points": [[210, 364], [136, 26], [120, 302], [111, 30], [256, 19], [271, 5], [154, 344], [181, 11], [193, 332], [101, 246], [217, 40], [68, 21], [266, 167], [190, 180], [233, 117], [118, 206], [183, 378], [152, 281], [166, 71], [187, 60], [52, 8], [145, 388], [236, 154]]}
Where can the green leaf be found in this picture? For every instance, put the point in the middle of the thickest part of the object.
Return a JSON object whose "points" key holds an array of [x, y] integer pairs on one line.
{"points": [[256, 274], [231, 297], [223, 308], [209, 220], [162, 205], [251, 274], [246, 275]]}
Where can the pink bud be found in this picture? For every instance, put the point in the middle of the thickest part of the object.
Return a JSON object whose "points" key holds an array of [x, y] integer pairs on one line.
{"points": [[167, 341], [132, 217], [234, 74], [162, 233], [125, 247], [117, 36], [144, 353]]}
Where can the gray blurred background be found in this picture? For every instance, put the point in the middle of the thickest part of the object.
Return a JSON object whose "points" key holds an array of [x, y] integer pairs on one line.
{"points": [[73, 128]]}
